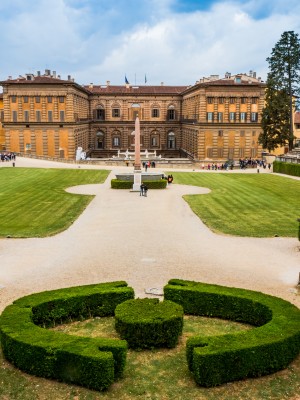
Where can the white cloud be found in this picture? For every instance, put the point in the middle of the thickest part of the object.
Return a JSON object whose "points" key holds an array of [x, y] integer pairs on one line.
{"points": [[102, 43]]}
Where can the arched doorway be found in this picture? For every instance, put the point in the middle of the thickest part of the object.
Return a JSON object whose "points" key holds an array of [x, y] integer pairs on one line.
{"points": [[171, 140], [100, 140]]}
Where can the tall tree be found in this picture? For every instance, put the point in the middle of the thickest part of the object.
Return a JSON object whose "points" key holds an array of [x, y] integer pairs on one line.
{"points": [[284, 77], [275, 120]]}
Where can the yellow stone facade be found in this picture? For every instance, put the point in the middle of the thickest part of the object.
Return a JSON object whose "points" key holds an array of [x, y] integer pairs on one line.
{"points": [[213, 120]]}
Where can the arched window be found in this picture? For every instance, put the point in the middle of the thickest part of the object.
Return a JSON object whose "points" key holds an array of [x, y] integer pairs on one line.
{"points": [[171, 140], [171, 113], [100, 140], [99, 113], [116, 141]]}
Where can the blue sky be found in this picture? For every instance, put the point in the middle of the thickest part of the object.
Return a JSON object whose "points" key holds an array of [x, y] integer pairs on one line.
{"points": [[172, 41]]}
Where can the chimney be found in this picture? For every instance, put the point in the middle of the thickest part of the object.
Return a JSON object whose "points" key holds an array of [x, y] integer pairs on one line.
{"points": [[161, 83], [54, 74], [47, 72], [38, 73], [259, 79], [107, 83], [227, 75], [10, 77], [254, 74], [251, 73], [69, 77], [58, 76], [91, 85]]}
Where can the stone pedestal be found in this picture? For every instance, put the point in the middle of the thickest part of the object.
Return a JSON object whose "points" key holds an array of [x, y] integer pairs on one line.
{"points": [[137, 181]]}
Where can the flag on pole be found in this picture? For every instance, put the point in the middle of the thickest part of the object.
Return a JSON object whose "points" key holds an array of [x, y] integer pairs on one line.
{"points": [[145, 78], [126, 80]]}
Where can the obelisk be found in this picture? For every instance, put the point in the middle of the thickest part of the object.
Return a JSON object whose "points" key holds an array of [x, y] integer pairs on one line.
{"points": [[137, 172]]}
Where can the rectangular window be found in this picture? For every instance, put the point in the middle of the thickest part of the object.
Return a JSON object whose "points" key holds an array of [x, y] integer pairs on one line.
{"points": [[26, 116], [13, 99], [243, 100], [210, 117], [220, 117], [171, 114], [220, 133], [28, 146], [210, 100], [50, 117], [242, 133], [15, 116], [241, 152], [25, 99], [116, 141], [37, 99], [38, 116], [232, 100], [254, 117], [155, 112], [253, 152], [221, 100], [254, 100], [220, 152], [231, 117], [62, 116], [230, 153], [61, 99], [116, 112], [1, 115], [49, 99], [209, 152], [243, 117], [100, 114]]}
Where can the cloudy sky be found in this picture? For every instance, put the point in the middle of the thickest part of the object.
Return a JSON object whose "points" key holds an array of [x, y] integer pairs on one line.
{"points": [[171, 41]]}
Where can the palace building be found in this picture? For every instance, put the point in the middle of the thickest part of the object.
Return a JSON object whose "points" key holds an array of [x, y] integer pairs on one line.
{"points": [[214, 119]]}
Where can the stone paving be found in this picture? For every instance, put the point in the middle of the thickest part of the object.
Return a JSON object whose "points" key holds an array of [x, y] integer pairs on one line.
{"points": [[145, 241]]}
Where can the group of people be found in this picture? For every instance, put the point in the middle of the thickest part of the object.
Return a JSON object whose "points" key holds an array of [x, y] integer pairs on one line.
{"points": [[143, 190], [7, 156], [243, 164], [148, 164]]}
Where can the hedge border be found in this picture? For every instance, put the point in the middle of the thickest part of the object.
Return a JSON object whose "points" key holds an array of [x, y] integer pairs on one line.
{"points": [[118, 184], [93, 363], [286, 168], [268, 348], [148, 323]]}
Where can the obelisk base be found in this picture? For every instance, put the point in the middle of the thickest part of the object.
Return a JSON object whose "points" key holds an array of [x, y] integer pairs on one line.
{"points": [[137, 181]]}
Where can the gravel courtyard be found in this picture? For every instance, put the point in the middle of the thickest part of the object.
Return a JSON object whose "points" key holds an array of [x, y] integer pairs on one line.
{"points": [[145, 241]]}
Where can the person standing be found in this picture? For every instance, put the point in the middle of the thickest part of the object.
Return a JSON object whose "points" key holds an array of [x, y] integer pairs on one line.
{"points": [[142, 189], [145, 190]]}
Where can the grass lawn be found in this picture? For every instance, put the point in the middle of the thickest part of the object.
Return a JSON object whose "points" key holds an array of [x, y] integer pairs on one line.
{"points": [[161, 374], [258, 205], [33, 202]]}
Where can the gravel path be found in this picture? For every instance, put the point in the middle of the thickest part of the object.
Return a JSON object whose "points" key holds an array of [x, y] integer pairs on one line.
{"points": [[145, 241]]}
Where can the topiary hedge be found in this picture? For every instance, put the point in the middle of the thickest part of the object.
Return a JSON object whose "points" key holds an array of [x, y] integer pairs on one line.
{"points": [[270, 347], [117, 184], [286, 168], [147, 323], [94, 363]]}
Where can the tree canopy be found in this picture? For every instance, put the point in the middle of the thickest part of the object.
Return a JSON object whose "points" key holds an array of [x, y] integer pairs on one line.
{"points": [[282, 93]]}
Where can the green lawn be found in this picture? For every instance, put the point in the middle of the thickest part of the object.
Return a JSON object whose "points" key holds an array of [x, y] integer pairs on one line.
{"points": [[33, 202], [258, 205], [161, 374]]}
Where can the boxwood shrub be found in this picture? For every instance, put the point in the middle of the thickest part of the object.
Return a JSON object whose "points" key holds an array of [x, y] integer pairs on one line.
{"points": [[91, 362], [147, 323], [286, 168], [118, 184], [269, 347]]}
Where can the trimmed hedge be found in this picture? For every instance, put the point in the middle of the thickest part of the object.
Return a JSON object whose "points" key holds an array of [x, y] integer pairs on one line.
{"points": [[117, 184], [268, 348], [148, 323], [286, 168], [89, 362]]}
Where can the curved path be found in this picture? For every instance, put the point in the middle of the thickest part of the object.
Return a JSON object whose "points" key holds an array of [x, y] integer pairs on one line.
{"points": [[145, 241]]}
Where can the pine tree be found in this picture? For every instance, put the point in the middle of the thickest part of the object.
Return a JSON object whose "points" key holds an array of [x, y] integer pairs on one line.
{"points": [[275, 120], [284, 78]]}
